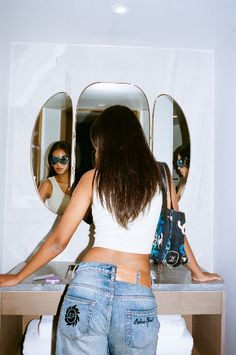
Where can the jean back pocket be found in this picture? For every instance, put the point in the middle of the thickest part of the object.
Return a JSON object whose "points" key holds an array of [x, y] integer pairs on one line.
{"points": [[75, 316], [141, 327]]}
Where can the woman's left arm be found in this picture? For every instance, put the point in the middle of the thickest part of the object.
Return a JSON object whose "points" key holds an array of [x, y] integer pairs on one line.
{"points": [[196, 271]]}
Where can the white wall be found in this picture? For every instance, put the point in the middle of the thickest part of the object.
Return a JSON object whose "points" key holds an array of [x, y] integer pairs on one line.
{"points": [[224, 172], [4, 85], [38, 71]]}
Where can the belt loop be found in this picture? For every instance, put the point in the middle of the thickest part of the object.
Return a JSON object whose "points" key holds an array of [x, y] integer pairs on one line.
{"points": [[138, 276], [113, 273]]}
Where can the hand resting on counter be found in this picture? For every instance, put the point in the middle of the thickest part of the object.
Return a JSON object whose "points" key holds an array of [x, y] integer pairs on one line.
{"points": [[9, 280]]}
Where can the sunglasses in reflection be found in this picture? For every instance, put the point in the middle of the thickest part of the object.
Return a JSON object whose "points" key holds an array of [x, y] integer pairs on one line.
{"points": [[180, 163], [64, 159]]}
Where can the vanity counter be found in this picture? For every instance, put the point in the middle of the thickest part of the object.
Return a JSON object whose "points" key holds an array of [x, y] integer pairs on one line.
{"points": [[164, 279], [174, 290]]}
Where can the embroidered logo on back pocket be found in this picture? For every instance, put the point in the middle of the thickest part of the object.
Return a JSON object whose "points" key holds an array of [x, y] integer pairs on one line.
{"points": [[75, 316], [72, 315]]}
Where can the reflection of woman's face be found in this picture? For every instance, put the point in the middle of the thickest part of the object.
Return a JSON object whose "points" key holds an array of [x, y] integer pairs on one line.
{"points": [[58, 166], [183, 169]]}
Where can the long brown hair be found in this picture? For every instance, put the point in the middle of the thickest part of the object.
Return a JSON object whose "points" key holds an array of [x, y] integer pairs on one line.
{"points": [[127, 175]]}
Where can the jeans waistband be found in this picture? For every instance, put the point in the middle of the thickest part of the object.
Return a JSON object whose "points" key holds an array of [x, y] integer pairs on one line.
{"points": [[123, 273], [91, 265]]}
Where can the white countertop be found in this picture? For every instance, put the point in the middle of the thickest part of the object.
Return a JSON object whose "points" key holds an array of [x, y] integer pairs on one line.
{"points": [[166, 279]]}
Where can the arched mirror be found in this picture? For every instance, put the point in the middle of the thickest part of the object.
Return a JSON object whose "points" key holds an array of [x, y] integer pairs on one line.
{"points": [[171, 139], [51, 152], [93, 100]]}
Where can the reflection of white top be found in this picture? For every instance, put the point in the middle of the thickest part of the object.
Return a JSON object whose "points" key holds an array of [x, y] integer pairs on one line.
{"points": [[58, 200], [139, 235]]}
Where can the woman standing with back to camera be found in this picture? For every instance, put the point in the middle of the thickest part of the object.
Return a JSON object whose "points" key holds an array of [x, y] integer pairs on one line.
{"points": [[109, 306]]}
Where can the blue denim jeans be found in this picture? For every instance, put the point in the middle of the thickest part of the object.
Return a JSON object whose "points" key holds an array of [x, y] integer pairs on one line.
{"points": [[101, 316]]}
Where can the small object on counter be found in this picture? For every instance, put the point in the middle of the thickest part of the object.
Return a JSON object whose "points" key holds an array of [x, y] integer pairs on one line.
{"points": [[52, 279], [70, 272], [42, 277]]}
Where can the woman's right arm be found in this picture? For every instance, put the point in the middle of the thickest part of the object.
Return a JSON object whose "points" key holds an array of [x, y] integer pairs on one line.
{"points": [[61, 235]]}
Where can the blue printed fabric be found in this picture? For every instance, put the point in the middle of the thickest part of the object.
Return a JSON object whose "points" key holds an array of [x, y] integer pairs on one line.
{"points": [[168, 245]]}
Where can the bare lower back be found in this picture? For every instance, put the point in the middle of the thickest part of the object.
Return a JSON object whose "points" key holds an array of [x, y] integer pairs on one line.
{"points": [[139, 262]]}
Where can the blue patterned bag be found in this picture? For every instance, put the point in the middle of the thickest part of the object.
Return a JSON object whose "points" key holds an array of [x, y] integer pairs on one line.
{"points": [[168, 244]]}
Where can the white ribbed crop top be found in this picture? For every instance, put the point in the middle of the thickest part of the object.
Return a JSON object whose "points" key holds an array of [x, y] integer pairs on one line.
{"points": [[137, 238]]}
